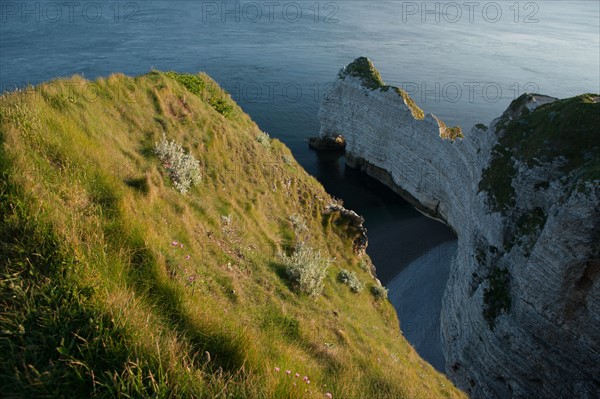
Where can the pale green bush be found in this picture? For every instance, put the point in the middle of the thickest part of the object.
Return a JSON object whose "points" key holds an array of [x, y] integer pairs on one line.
{"points": [[264, 139], [183, 168], [288, 160], [298, 224], [379, 292], [351, 280], [306, 269]]}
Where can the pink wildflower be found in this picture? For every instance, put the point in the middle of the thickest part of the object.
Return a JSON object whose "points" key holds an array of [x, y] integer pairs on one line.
{"points": [[277, 369], [288, 372], [188, 256], [328, 395], [181, 245], [305, 378], [174, 243], [297, 375], [308, 381]]}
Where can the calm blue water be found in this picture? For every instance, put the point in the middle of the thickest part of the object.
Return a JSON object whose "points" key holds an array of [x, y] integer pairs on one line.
{"points": [[276, 58]]}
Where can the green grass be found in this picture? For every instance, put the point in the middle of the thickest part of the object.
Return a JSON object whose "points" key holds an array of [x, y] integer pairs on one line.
{"points": [[206, 90], [97, 301], [364, 69], [565, 129], [416, 112], [449, 133]]}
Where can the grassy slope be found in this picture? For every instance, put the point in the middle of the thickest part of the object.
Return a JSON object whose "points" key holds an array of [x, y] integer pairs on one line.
{"points": [[96, 301]]}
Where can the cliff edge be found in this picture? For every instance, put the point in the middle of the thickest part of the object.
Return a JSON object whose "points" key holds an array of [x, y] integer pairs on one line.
{"points": [[156, 243], [521, 309]]}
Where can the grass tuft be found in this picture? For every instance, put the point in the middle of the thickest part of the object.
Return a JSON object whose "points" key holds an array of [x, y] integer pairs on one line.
{"points": [[379, 292], [183, 168], [306, 269], [351, 280]]}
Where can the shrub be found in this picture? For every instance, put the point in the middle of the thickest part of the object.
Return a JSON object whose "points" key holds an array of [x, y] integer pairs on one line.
{"points": [[264, 139], [351, 280], [496, 297], [364, 266], [221, 105], [379, 292], [298, 223], [198, 86], [496, 180], [183, 168], [306, 269], [194, 83]]}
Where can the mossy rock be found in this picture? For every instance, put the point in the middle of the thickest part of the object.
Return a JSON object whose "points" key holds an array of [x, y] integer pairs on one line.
{"points": [[565, 129], [364, 69]]}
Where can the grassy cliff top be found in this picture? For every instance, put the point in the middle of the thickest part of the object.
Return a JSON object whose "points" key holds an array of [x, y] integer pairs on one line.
{"points": [[565, 130], [363, 69], [114, 283]]}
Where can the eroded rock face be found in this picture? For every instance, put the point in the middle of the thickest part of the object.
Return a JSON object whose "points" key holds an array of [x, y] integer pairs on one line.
{"points": [[355, 228], [521, 311]]}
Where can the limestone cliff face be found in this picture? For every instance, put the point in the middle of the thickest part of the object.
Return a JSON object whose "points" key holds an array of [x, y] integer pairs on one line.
{"points": [[521, 311]]}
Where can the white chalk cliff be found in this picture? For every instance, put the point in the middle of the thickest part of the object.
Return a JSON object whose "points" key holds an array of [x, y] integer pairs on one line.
{"points": [[521, 311]]}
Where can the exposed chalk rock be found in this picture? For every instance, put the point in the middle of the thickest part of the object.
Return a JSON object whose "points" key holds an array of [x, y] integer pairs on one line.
{"points": [[521, 310], [355, 227]]}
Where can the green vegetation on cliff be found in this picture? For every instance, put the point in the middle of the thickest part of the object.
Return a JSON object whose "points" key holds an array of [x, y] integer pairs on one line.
{"points": [[115, 283], [364, 69], [416, 112], [496, 296], [449, 133], [564, 130]]}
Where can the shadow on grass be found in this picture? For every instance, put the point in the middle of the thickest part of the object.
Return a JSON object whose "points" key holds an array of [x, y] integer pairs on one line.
{"points": [[54, 338], [225, 347], [54, 341], [140, 184], [280, 271]]}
